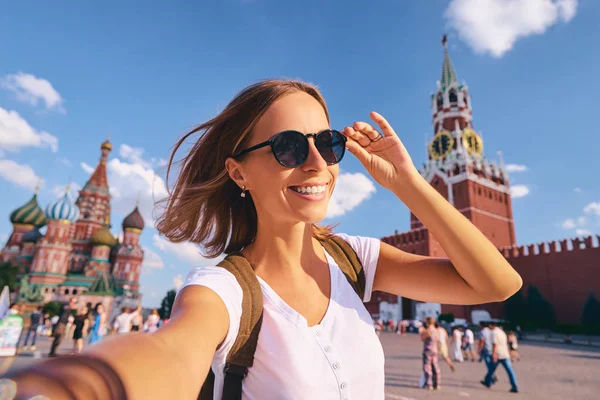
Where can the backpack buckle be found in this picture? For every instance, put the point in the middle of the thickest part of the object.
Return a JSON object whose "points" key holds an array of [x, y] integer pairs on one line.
{"points": [[234, 369]]}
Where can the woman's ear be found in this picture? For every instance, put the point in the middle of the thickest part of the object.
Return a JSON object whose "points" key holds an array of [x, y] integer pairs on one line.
{"points": [[235, 171]]}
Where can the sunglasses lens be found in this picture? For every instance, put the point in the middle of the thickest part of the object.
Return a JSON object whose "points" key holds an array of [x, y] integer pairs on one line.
{"points": [[290, 148], [331, 145]]}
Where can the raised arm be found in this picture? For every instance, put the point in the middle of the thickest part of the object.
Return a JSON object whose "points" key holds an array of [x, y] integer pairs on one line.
{"points": [[475, 271], [169, 364]]}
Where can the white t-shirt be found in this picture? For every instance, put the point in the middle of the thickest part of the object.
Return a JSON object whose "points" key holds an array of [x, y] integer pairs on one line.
{"points": [[340, 358], [442, 335], [501, 341], [470, 336], [123, 322]]}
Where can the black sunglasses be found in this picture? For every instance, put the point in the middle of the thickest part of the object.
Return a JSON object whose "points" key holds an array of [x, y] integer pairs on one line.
{"points": [[290, 148]]}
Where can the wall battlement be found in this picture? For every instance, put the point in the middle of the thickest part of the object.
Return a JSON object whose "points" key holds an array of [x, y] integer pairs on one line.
{"points": [[406, 238], [552, 247]]}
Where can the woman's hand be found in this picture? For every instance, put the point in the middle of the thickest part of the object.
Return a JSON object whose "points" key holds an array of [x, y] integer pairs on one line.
{"points": [[384, 156]]}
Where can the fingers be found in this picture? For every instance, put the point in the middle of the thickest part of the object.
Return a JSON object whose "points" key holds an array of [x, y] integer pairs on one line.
{"points": [[386, 128], [359, 151], [358, 136], [367, 130]]}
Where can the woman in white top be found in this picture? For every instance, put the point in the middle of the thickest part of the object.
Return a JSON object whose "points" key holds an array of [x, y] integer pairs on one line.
{"points": [[317, 339]]}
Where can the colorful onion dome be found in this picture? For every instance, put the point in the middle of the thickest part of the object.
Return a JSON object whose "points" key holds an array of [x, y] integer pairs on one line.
{"points": [[134, 220], [103, 237], [29, 214], [32, 236], [63, 209]]}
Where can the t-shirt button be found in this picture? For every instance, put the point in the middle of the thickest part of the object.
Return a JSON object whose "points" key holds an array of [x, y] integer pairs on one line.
{"points": [[336, 365], [328, 348], [343, 385]]}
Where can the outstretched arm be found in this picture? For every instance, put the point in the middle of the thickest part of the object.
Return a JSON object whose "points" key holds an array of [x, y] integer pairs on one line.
{"points": [[475, 272], [169, 364]]}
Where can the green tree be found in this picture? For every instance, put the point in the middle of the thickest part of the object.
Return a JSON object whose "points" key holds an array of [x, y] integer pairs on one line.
{"points": [[539, 310], [449, 317], [167, 304], [591, 312], [515, 308], [8, 275], [52, 308]]}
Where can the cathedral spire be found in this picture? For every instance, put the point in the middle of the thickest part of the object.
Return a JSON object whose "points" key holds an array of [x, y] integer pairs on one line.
{"points": [[98, 181], [448, 74]]}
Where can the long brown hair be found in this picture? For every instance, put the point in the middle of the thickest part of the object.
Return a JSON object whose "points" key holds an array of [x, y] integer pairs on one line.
{"points": [[205, 206]]}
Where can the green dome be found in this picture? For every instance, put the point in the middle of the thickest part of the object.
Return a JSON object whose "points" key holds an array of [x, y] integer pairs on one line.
{"points": [[103, 237], [29, 214]]}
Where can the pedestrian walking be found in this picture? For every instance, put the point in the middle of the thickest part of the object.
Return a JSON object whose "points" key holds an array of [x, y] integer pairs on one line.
{"points": [[443, 345], [99, 327], [431, 365], [513, 345], [469, 344], [35, 321], [457, 336], [80, 327], [500, 356], [60, 326]]}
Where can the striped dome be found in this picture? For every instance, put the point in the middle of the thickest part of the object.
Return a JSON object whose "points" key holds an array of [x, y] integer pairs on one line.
{"points": [[63, 208], [103, 237], [134, 220], [32, 236], [29, 214]]}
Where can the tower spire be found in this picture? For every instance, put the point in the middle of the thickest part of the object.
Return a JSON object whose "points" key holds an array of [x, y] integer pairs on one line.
{"points": [[448, 74]]}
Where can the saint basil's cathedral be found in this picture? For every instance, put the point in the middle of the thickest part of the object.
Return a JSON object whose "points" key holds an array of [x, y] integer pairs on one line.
{"points": [[77, 254]]}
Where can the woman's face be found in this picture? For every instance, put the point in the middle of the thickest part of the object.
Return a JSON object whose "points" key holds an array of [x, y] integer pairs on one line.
{"points": [[100, 308], [270, 184]]}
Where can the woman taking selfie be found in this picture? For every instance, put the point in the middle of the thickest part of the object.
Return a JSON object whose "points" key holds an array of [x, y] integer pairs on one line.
{"points": [[257, 181]]}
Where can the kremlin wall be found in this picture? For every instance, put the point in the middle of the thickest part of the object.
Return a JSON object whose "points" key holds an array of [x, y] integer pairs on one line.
{"points": [[77, 254], [565, 272]]}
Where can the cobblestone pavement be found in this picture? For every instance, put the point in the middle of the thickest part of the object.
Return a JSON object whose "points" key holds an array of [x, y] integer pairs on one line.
{"points": [[547, 371]]}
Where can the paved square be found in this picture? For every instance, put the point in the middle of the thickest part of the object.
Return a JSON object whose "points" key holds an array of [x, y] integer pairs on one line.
{"points": [[547, 371]]}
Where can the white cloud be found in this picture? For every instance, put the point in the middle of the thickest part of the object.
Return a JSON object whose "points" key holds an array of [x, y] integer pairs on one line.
{"points": [[517, 191], [583, 232], [59, 190], [569, 223], [133, 155], [152, 260], [32, 90], [87, 168], [19, 174], [515, 168], [177, 281], [351, 189], [187, 252], [592, 208], [16, 133], [130, 182], [162, 162], [581, 221], [64, 161], [493, 26], [577, 190]]}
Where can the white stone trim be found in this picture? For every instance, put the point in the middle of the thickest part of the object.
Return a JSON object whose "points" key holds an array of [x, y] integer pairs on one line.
{"points": [[489, 214]]}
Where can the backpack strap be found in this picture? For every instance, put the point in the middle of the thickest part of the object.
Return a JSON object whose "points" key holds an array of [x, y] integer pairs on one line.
{"points": [[348, 261], [241, 355]]}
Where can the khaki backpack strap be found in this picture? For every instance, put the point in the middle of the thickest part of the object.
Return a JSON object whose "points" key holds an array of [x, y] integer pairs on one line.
{"points": [[241, 355], [348, 261]]}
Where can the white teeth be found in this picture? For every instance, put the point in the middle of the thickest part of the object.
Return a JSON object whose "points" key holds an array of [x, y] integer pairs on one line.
{"points": [[311, 190]]}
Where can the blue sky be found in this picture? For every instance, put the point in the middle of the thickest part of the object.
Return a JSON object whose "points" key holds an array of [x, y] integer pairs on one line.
{"points": [[74, 72]]}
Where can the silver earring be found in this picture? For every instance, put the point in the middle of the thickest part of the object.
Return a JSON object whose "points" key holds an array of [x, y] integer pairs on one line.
{"points": [[243, 194]]}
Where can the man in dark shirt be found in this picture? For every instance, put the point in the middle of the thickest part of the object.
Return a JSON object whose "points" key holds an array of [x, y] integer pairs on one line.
{"points": [[59, 328], [35, 318]]}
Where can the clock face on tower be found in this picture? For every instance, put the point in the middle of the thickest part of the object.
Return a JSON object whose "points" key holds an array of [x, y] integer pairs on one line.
{"points": [[441, 145], [472, 142]]}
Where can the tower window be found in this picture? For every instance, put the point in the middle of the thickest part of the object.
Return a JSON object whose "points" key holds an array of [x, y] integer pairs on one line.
{"points": [[66, 291], [74, 291], [440, 101], [452, 96]]}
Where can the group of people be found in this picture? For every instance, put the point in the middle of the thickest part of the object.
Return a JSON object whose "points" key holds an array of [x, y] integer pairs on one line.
{"points": [[82, 321], [494, 346]]}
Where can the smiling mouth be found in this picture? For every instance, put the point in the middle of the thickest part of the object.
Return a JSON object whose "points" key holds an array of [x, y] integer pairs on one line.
{"points": [[311, 190]]}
